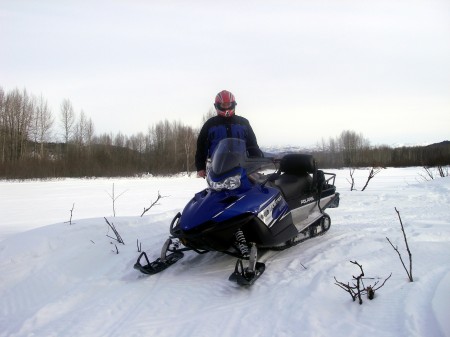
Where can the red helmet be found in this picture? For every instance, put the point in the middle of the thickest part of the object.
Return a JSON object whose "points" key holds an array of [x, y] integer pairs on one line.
{"points": [[225, 103]]}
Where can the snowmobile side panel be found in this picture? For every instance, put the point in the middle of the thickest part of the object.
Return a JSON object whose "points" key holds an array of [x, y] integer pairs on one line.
{"points": [[258, 232]]}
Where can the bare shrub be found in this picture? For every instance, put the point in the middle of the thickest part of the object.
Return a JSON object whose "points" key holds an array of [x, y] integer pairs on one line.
{"points": [[408, 272]]}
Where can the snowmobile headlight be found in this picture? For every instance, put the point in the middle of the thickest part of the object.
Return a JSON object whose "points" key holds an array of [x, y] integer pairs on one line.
{"points": [[229, 183]]}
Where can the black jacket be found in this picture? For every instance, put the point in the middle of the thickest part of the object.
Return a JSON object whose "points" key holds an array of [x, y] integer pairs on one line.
{"points": [[217, 128]]}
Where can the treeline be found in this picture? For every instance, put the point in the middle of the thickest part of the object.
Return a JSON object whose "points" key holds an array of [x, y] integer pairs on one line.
{"points": [[351, 149], [36, 144]]}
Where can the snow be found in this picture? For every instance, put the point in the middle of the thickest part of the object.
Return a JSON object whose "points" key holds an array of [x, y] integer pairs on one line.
{"points": [[62, 279]]}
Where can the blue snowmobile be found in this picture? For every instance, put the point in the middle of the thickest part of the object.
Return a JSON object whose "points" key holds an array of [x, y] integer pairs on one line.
{"points": [[252, 204]]}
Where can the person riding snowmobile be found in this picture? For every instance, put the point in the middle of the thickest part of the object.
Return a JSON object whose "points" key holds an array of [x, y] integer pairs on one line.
{"points": [[226, 124]]}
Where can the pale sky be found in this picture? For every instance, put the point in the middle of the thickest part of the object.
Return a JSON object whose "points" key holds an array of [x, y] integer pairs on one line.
{"points": [[301, 71]]}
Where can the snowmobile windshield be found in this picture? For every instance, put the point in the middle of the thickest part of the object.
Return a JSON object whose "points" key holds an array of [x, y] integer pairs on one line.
{"points": [[231, 153]]}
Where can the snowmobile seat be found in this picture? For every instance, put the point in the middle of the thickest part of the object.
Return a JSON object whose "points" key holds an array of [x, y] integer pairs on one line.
{"points": [[297, 164], [295, 179]]}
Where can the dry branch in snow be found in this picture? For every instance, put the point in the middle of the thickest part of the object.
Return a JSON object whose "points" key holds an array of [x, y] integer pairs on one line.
{"points": [[153, 204], [409, 273], [114, 198], [372, 174], [358, 289], [71, 214], [118, 238]]}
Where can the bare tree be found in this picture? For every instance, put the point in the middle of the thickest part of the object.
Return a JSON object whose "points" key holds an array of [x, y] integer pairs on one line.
{"points": [[351, 145], [137, 142], [25, 120], [2, 126], [119, 140], [188, 142], [81, 129], [67, 119], [211, 113], [44, 123], [89, 134], [17, 118]]}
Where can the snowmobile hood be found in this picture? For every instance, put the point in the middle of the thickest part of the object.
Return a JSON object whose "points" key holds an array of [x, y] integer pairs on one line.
{"points": [[220, 206]]}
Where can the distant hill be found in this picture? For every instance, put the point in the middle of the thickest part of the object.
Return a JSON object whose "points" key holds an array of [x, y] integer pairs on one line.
{"points": [[279, 150], [437, 154], [444, 144]]}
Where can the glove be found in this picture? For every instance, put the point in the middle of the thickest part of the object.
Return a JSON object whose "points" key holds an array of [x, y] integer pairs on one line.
{"points": [[201, 174]]}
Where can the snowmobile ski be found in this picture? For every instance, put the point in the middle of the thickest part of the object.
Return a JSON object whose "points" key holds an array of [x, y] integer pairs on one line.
{"points": [[245, 277], [163, 262], [158, 265]]}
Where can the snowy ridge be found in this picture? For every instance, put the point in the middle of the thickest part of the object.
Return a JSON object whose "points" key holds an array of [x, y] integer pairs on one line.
{"points": [[59, 279], [311, 148], [286, 149]]}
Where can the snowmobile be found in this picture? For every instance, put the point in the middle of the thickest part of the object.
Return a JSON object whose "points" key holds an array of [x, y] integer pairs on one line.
{"points": [[252, 205]]}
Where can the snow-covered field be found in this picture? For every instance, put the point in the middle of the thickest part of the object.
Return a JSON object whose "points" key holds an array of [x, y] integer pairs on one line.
{"points": [[61, 279]]}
